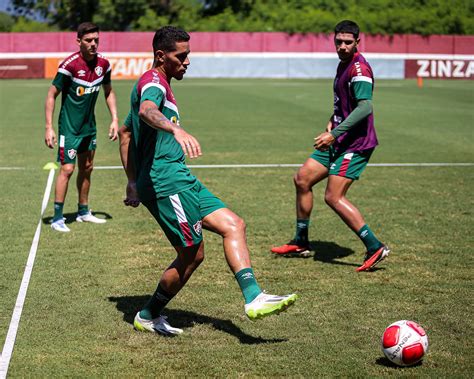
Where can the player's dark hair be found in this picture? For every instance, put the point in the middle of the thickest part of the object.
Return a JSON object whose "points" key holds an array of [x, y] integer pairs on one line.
{"points": [[86, 28], [347, 26], [166, 37]]}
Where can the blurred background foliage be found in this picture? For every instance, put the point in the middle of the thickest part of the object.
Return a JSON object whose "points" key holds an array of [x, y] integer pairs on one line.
{"points": [[293, 16]]}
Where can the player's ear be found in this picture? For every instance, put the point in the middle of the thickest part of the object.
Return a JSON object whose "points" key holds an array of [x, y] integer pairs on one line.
{"points": [[160, 56], [78, 40]]}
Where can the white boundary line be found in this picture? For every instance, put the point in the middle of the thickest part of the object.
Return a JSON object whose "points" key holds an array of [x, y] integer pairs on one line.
{"points": [[299, 165], [20, 301], [277, 165]]}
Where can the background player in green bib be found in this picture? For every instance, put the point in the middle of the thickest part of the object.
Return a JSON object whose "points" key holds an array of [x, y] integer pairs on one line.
{"points": [[79, 79], [342, 152], [153, 146]]}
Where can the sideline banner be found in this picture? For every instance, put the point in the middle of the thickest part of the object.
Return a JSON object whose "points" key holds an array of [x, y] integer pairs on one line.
{"points": [[252, 65], [123, 66], [21, 68], [439, 68]]}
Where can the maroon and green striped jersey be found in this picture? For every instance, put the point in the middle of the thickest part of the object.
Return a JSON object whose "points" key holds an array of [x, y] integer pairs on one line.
{"points": [[354, 81], [80, 81], [159, 159]]}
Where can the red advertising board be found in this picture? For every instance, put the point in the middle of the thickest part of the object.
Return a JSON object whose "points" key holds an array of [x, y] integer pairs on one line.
{"points": [[21, 68], [439, 68]]}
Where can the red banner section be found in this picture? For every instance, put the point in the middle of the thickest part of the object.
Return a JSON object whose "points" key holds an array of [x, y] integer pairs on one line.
{"points": [[123, 67], [21, 68], [439, 68], [37, 55], [269, 42]]}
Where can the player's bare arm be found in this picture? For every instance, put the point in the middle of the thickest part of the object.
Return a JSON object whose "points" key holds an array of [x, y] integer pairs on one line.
{"points": [[150, 114], [50, 136], [131, 194], [329, 125], [112, 105]]}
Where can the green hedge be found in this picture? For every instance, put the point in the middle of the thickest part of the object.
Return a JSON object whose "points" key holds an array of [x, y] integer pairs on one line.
{"points": [[293, 16]]}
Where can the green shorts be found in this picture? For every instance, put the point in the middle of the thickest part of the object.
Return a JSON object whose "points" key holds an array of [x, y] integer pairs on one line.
{"points": [[348, 165], [180, 215], [70, 146]]}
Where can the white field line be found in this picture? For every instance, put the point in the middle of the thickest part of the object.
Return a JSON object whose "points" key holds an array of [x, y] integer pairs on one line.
{"points": [[15, 321], [277, 165], [248, 55], [299, 165]]}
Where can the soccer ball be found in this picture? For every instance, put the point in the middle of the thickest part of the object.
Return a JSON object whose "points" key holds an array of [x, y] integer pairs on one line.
{"points": [[404, 343]]}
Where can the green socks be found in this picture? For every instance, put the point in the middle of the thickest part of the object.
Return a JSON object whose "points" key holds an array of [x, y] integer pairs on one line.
{"points": [[155, 305], [82, 209], [58, 211], [301, 236], [370, 241], [248, 284]]}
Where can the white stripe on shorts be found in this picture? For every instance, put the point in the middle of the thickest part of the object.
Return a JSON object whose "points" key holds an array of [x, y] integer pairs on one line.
{"points": [[178, 208]]}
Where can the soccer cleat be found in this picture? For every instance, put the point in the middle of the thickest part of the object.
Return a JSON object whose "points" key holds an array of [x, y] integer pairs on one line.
{"points": [[266, 305], [371, 260], [89, 217], [157, 325], [60, 226], [292, 249]]}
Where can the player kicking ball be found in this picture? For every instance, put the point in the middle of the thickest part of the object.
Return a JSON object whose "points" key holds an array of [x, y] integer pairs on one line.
{"points": [[153, 147], [342, 152]]}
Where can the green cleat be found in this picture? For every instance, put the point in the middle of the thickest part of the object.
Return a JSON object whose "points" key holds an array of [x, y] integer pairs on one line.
{"points": [[266, 305]]}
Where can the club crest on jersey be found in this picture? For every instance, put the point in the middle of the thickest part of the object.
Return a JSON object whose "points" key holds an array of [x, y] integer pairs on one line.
{"points": [[71, 153], [198, 227], [174, 120], [99, 70]]}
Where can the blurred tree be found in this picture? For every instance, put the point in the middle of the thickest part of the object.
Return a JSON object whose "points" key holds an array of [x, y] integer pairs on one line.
{"points": [[6, 22], [304, 16], [24, 24]]}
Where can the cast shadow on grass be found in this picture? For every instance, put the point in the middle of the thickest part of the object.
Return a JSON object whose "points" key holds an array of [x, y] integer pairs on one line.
{"points": [[71, 217], [328, 252], [130, 305], [384, 361]]}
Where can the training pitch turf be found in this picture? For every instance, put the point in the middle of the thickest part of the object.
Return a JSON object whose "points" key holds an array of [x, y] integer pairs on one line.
{"points": [[86, 286]]}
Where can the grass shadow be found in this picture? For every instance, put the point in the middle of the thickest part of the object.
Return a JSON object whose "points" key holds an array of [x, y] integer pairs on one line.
{"points": [[71, 217], [328, 252], [384, 361], [130, 305]]}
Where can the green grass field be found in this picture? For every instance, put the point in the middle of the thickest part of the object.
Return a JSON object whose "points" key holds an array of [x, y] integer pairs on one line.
{"points": [[87, 285]]}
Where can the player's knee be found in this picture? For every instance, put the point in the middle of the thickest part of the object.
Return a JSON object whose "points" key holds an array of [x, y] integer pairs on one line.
{"points": [[199, 258], [331, 199], [301, 181], [87, 168], [236, 224], [67, 170]]}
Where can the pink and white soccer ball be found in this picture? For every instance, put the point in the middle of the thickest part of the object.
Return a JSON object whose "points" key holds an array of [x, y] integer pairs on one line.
{"points": [[404, 343]]}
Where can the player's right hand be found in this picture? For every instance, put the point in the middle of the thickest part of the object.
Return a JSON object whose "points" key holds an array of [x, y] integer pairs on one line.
{"points": [[329, 126], [50, 138], [189, 144], [131, 199]]}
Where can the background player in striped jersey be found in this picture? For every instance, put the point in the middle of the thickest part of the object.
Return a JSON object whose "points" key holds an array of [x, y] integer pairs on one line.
{"points": [[79, 78], [342, 152], [153, 147]]}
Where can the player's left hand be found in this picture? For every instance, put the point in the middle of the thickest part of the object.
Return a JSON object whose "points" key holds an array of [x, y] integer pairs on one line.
{"points": [[131, 199], [323, 141], [113, 130]]}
